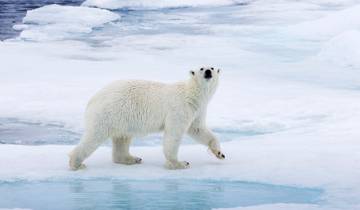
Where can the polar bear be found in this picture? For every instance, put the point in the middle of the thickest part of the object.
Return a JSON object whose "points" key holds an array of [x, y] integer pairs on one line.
{"points": [[127, 109]]}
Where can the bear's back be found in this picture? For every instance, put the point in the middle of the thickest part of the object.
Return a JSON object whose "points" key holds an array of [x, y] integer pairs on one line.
{"points": [[140, 105]]}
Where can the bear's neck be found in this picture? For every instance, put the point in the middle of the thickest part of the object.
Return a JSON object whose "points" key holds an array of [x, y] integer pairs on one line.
{"points": [[198, 96]]}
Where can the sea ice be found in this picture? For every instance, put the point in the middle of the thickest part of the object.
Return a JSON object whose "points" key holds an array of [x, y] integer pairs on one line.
{"points": [[342, 50], [331, 25], [55, 22], [157, 4], [304, 114]]}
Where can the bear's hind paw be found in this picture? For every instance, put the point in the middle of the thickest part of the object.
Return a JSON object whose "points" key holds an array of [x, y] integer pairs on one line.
{"points": [[130, 160], [177, 165], [77, 167], [74, 163]]}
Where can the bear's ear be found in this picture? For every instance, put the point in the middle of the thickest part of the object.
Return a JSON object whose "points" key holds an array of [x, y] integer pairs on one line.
{"points": [[192, 73]]}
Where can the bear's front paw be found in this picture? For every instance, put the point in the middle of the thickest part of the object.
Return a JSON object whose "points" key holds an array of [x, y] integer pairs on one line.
{"points": [[128, 160], [177, 165], [218, 154]]}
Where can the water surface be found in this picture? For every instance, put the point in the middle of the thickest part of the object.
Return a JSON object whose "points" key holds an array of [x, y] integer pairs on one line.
{"points": [[105, 194]]}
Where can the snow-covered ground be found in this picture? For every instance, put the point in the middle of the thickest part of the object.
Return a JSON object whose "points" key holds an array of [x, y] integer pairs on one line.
{"points": [[290, 79]]}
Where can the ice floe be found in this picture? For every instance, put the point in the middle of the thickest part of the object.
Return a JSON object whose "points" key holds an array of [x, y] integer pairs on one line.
{"points": [[55, 22]]}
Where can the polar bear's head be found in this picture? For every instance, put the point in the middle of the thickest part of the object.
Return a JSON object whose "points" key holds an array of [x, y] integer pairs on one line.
{"points": [[206, 76]]}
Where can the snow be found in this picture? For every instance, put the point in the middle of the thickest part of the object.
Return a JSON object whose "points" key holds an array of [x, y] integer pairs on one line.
{"points": [[343, 50], [14, 209], [330, 25], [157, 4], [61, 21], [258, 159]]}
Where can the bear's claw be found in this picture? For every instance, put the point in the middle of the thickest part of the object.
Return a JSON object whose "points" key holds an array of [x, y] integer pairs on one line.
{"points": [[138, 160], [219, 155]]}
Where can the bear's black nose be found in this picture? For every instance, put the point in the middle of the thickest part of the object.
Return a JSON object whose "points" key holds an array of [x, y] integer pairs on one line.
{"points": [[207, 74]]}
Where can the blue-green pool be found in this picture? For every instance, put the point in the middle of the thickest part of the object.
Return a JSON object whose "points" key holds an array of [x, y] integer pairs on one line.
{"points": [[147, 194]]}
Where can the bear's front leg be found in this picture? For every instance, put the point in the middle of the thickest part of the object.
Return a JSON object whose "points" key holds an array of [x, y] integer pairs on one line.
{"points": [[171, 148], [204, 136]]}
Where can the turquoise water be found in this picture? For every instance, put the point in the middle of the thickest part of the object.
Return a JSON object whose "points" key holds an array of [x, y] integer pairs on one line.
{"points": [[147, 194]]}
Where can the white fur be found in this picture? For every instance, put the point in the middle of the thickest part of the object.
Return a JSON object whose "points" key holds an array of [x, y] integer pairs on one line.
{"points": [[127, 109]]}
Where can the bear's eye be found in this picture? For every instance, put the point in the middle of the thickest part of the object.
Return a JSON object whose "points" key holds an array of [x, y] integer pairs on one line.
{"points": [[212, 68], [202, 69]]}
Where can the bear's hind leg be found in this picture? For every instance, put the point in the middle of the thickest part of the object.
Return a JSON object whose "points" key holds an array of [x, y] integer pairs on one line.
{"points": [[88, 144], [120, 151]]}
